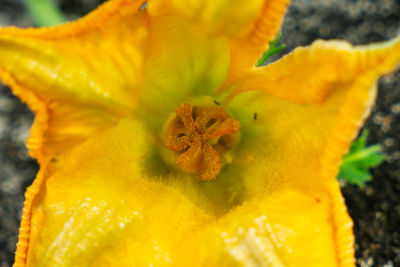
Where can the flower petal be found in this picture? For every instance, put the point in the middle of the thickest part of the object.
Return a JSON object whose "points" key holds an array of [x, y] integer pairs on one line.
{"points": [[101, 209], [308, 74], [247, 49], [309, 124], [286, 228], [229, 18], [181, 63], [83, 66], [250, 25], [295, 134]]}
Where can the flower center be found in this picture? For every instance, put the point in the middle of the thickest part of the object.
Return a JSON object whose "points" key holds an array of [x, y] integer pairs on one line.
{"points": [[200, 136]]}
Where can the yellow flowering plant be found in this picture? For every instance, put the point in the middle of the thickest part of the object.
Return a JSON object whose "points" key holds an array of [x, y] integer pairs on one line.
{"points": [[161, 143]]}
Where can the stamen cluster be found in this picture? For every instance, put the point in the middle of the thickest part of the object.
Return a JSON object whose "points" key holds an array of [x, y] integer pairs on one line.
{"points": [[201, 135]]}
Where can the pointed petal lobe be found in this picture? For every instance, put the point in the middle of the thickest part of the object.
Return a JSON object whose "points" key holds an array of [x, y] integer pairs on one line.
{"points": [[81, 64], [250, 25], [247, 49], [294, 134], [307, 124], [308, 74]]}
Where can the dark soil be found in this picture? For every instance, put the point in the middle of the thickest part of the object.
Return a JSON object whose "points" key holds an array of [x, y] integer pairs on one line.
{"points": [[375, 208]]}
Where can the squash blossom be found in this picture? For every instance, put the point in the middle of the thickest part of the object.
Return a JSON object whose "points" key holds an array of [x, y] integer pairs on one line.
{"points": [[160, 142]]}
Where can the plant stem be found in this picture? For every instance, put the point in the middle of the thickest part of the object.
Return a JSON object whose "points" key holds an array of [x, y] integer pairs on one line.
{"points": [[44, 12]]}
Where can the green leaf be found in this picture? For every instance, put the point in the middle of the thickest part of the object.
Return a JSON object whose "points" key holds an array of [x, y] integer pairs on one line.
{"points": [[272, 50], [356, 164], [44, 12]]}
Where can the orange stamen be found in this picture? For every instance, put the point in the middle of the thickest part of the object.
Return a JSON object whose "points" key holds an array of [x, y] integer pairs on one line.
{"points": [[189, 133]]}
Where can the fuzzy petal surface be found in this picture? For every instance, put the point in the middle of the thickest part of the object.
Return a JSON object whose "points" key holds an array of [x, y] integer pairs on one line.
{"points": [[78, 78], [102, 210], [182, 62], [286, 228], [308, 124], [249, 25]]}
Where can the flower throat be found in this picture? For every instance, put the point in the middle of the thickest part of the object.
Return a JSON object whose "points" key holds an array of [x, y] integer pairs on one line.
{"points": [[202, 137]]}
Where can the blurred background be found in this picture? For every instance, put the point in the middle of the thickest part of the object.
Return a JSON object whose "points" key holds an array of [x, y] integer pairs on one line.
{"points": [[375, 208]]}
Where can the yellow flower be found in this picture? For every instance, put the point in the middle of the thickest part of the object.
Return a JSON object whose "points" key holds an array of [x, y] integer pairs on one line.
{"points": [[160, 143]]}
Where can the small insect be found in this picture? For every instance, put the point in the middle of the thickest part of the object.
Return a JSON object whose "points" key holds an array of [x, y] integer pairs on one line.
{"points": [[217, 103], [143, 6], [255, 116]]}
